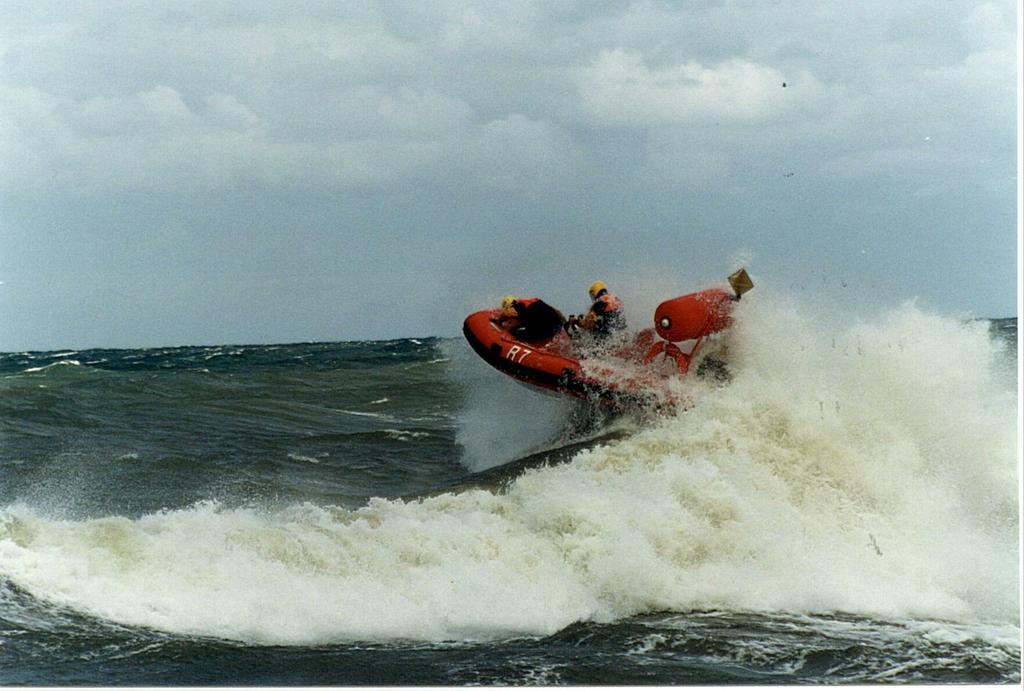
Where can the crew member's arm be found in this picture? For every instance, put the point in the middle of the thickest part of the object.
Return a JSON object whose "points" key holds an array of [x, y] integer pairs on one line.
{"points": [[505, 314], [596, 310]]}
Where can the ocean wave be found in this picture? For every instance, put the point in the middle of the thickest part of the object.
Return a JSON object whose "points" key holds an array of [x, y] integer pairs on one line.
{"points": [[363, 413], [869, 469], [52, 365], [303, 458], [404, 435]]}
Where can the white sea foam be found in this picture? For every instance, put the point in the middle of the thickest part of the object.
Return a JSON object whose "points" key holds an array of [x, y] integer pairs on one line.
{"points": [[404, 435], [59, 363], [303, 458], [869, 470], [360, 413]]}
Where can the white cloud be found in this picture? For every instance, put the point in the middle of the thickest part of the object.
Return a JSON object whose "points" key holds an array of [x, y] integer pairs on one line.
{"points": [[30, 132], [350, 96], [484, 29], [620, 88], [987, 69], [593, 115], [366, 111], [987, 27], [153, 140], [159, 110], [362, 47], [375, 162], [226, 111], [518, 153]]}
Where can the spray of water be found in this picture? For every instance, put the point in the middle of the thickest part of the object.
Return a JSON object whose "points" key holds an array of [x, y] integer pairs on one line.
{"points": [[500, 420]]}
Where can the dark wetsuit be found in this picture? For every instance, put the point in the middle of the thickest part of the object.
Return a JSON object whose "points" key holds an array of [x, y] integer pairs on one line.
{"points": [[537, 320]]}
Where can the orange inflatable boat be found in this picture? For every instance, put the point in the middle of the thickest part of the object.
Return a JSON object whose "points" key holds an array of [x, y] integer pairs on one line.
{"points": [[557, 364]]}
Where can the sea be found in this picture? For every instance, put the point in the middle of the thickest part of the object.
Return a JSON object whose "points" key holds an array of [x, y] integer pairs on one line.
{"points": [[841, 507]]}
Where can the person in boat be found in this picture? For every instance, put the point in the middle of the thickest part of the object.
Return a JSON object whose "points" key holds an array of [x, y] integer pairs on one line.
{"points": [[605, 315], [529, 319]]}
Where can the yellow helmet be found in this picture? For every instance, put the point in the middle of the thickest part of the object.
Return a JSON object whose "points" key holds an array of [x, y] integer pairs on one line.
{"points": [[595, 288], [507, 301]]}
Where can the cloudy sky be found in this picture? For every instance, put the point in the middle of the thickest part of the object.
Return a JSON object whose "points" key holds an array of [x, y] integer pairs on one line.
{"points": [[242, 172]]}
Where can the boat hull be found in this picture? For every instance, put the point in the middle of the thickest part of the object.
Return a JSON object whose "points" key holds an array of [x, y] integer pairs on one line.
{"points": [[552, 365]]}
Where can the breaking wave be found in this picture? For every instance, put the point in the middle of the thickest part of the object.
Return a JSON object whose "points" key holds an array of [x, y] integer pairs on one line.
{"points": [[870, 470]]}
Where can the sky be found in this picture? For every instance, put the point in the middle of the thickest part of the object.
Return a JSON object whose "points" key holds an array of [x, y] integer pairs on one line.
{"points": [[210, 172]]}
